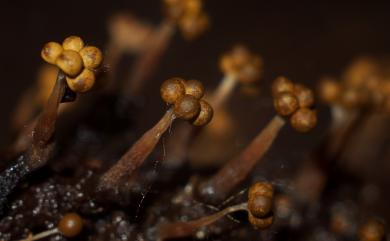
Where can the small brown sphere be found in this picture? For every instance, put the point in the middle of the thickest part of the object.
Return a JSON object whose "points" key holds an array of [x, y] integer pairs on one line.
{"points": [[226, 64], [285, 103], [82, 82], [92, 57], [260, 206], [51, 51], [251, 71], [372, 230], [74, 43], [260, 199], [174, 9], [261, 188], [304, 119], [360, 71], [304, 95], [187, 107], [205, 114], [194, 88], [192, 26], [172, 90], [70, 62], [240, 55], [329, 90], [261, 223], [193, 7], [242, 64], [70, 225], [282, 84]]}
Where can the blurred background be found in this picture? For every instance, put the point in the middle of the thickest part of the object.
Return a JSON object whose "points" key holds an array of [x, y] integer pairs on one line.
{"points": [[303, 41]]}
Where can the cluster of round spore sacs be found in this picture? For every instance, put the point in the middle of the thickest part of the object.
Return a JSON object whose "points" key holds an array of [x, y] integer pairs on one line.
{"points": [[242, 64], [364, 85], [77, 61], [188, 15], [260, 203], [295, 101], [186, 100]]}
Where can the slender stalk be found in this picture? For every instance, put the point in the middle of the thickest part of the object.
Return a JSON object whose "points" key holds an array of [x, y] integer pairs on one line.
{"points": [[183, 229], [237, 169], [148, 61], [41, 235], [223, 92], [45, 126], [47, 119], [137, 154], [41, 146]]}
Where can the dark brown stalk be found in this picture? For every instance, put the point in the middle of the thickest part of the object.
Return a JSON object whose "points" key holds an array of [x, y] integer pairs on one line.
{"points": [[219, 186], [184, 229], [136, 155], [42, 134], [25, 137], [40, 150]]}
